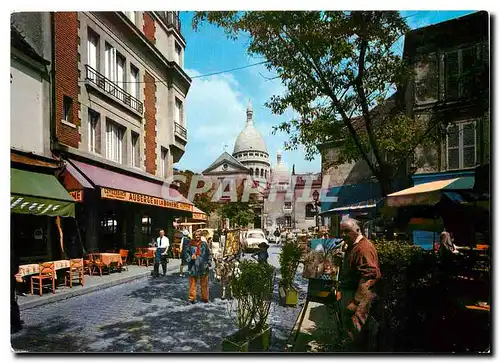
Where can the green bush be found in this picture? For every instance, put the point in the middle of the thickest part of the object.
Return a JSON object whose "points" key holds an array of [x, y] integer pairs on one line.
{"points": [[289, 260], [405, 291], [253, 287]]}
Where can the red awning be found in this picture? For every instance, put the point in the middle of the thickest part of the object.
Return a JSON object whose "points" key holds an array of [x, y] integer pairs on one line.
{"points": [[115, 185]]}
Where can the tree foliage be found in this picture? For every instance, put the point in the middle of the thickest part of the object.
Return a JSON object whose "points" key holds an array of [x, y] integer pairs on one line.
{"points": [[337, 67]]}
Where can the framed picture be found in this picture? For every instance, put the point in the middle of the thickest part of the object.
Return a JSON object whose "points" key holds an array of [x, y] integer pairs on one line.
{"points": [[233, 244], [323, 258]]}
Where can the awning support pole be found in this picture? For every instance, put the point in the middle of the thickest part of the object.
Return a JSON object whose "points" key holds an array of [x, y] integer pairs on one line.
{"points": [[61, 241]]}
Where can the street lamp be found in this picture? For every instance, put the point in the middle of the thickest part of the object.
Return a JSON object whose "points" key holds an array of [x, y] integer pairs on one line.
{"points": [[316, 206]]}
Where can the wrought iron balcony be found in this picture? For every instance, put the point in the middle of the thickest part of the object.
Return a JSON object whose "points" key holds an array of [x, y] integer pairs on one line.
{"points": [[112, 89], [180, 131]]}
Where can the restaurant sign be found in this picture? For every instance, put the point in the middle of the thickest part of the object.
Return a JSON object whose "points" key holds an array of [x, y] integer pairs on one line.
{"points": [[200, 216], [77, 195], [116, 194]]}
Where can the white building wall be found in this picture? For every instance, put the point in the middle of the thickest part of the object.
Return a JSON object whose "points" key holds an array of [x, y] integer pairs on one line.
{"points": [[26, 110]]}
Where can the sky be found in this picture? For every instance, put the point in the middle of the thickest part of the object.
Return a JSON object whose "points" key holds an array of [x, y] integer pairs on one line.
{"points": [[216, 105]]}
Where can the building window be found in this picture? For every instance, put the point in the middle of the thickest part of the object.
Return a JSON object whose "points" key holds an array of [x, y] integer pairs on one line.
{"points": [[120, 70], [92, 50], [146, 226], [136, 151], [460, 69], [94, 131], [310, 210], [262, 172], [178, 54], [288, 221], [427, 79], [265, 174], [461, 145], [245, 155], [67, 109], [164, 163], [288, 205], [179, 112], [114, 67], [257, 172], [130, 15], [134, 78], [109, 224], [114, 142], [251, 171]]}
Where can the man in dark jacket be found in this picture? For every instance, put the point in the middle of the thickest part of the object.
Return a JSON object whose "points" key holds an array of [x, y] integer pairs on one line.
{"points": [[358, 275]]}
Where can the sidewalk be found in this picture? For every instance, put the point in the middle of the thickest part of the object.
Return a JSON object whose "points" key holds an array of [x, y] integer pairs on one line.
{"points": [[92, 283]]}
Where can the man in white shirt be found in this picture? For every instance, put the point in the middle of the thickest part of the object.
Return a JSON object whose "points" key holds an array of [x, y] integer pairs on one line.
{"points": [[162, 244]]}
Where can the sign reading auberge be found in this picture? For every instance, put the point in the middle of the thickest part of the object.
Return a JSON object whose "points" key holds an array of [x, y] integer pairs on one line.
{"points": [[115, 194]]}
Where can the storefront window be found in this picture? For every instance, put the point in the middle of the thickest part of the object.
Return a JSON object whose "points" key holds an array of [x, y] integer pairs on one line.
{"points": [[109, 224], [146, 226]]}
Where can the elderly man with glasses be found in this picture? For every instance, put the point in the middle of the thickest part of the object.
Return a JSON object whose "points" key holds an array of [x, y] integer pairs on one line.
{"points": [[358, 275], [196, 254]]}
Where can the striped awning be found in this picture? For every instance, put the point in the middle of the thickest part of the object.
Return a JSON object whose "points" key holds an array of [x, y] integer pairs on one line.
{"points": [[428, 193], [368, 204]]}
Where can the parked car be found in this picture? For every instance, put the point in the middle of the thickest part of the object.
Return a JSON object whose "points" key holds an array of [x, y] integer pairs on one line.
{"points": [[253, 238]]}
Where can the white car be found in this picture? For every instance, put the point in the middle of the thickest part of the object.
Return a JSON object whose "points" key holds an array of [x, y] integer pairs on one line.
{"points": [[253, 238]]}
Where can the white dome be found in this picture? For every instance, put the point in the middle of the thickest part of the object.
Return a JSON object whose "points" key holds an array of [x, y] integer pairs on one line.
{"points": [[280, 171], [250, 139]]}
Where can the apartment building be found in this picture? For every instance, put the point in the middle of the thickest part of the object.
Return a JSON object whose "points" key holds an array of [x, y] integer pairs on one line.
{"points": [[120, 90]]}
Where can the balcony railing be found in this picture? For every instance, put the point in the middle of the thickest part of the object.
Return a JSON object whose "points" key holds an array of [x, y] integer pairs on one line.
{"points": [[180, 131], [171, 18], [112, 89]]}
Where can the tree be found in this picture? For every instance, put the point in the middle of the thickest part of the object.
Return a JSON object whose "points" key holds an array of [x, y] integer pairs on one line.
{"points": [[202, 201], [239, 212], [336, 66]]}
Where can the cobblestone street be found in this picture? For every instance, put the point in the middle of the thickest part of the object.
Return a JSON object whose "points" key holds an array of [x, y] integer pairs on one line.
{"points": [[146, 315]]}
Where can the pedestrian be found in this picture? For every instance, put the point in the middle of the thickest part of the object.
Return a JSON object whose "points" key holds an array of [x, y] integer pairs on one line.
{"points": [[199, 260], [359, 273], [277, 234], [223, 239], [184, 244], [162, 244], [262, 255]]}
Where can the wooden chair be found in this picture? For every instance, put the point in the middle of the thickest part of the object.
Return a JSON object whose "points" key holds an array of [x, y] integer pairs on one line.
{"points": [[147, 256], [124, 257], [87, 263], [47, 272], [97, 264], [76, 269], [138, 256]]}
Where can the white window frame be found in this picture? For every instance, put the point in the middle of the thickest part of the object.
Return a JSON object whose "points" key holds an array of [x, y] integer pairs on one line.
{"points": [[460, 147], [114, 142], [135, 160], [163, 163], [67, 105], [93, 122], [177, 54], [179, 112], [134, 79], [132, 16], [120, 70]]}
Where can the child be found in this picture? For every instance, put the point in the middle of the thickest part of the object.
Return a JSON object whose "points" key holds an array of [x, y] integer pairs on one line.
{"points": [[262, 255]]}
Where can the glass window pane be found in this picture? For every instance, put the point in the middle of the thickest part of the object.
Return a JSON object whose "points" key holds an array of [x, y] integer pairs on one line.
{"points": [[453, 136], [469, 156], [468, 133], [453, 159]]}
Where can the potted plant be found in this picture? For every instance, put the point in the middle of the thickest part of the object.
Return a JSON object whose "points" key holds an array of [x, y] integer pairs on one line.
{"points": [[252, 288], [289, 259]]}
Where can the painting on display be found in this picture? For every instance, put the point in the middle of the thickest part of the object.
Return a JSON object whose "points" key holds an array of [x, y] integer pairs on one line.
{"points": [[323, 259], [232, 245]]}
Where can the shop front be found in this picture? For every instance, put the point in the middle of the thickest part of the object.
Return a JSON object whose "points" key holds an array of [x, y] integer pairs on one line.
{"points": [[40, 207], [117, 210]]}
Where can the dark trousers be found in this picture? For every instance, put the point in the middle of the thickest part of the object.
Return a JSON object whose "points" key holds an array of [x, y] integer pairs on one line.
{"points": [[160, 259], [15, 314]]}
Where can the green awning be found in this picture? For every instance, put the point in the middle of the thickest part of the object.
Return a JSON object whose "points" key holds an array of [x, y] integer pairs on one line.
{"points": [[39, 194]]}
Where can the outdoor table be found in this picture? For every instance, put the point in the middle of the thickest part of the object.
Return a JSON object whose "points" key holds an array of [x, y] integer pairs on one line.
{"points": [[34, 268], [109, 258]]}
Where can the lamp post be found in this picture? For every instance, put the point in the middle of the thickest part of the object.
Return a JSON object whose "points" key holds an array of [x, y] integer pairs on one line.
{"points": [[316, 206]]}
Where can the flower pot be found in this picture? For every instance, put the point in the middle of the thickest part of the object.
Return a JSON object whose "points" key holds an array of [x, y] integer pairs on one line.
{"points": [[248, 340], [289, 297]]}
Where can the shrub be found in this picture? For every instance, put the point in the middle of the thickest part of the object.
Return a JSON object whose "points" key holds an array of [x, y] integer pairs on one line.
{"points": [[405, 291], [253, 289], [289, 260]]}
